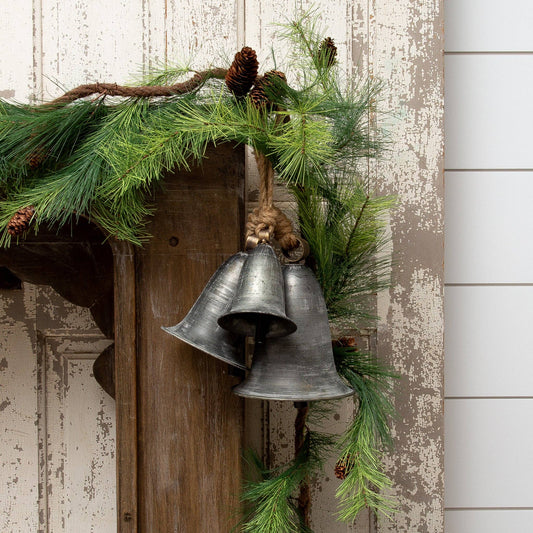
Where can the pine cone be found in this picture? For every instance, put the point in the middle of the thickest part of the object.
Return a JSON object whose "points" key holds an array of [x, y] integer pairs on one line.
{"points": [[258, 94], [342, 468], [271, 74], [349, 342], [327, 52], [243, 71], [20, 221], [258, 97]]}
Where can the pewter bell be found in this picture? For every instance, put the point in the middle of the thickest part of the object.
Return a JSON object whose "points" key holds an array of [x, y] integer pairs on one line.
{"points": [[300, 366], [258, 307], [200, 328]]}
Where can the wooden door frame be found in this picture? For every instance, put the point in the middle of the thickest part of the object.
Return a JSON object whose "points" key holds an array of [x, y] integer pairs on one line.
{"points": [[131, 271]]}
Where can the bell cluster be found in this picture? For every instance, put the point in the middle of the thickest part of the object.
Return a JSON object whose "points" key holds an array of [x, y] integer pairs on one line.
{"points": [[282, 307]]}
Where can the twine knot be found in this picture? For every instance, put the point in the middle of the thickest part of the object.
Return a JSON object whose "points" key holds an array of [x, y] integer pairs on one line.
{"points": [[267, 222]]}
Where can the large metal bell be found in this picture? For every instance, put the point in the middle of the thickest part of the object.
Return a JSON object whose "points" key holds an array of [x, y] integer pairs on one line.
{"points": [[299, 367], [258, 307], [200, 328]]}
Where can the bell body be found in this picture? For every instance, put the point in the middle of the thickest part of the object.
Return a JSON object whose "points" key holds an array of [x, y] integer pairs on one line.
{"points": [[300, 366], [200, 328], [258, 307]]}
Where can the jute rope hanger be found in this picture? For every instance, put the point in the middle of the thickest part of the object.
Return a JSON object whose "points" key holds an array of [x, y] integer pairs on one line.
{"points": [[267, 222]]}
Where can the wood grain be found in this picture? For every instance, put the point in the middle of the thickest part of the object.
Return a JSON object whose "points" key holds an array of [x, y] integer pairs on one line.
{"points": [[189, 423], [125, 385]]}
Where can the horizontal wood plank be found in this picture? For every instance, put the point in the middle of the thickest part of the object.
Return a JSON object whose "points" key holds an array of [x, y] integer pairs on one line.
{"points": [[489, 227], [488, 341], [489, 111], [487, 25], [488, 459], [489, 521]]}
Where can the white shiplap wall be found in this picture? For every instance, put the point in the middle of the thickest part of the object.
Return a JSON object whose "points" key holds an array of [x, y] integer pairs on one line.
{"points": [[489, 267]]}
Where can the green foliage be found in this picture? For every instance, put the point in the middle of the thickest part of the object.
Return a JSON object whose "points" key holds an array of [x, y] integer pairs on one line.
{"points": [[269, 502], [368, 435], [102, 159], [269, 497], [345, 228]]}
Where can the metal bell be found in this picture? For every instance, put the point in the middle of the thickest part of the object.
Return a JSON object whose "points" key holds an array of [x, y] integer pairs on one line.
{"points": [[200, 328], [299, 367], [258, 307]]}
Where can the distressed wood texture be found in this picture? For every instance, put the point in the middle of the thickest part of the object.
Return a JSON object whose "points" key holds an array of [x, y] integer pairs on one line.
{"points": [[126, 385], [189, 425], [57, 425], [76, 436], [19, 468], [406, 51]]}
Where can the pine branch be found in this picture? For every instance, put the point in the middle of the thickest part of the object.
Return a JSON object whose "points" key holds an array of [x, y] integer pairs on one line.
{"points": [[270, 501], [345, 230], [368, 435], [355, 226]]}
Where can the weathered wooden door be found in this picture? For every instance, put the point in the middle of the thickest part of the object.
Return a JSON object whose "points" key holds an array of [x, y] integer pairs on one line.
{"points": [[57, 426]]}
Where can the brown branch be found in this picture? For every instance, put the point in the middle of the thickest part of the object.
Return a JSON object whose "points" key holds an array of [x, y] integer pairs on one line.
{"points": [[304, 497], [144, 91]]}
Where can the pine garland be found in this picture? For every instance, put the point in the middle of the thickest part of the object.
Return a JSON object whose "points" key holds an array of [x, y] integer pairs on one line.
{"points": [[101, 158]]}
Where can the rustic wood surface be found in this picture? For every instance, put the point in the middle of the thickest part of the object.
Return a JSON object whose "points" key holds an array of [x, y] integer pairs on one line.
{"points": [[74, 260], [189, 424], [126, 385], [406, 51]]}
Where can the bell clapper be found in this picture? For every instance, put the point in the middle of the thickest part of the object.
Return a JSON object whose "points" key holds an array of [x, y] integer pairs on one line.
{"points": [[261, 330]]}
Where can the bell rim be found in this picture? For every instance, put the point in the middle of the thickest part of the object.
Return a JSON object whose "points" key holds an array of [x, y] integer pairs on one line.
{"points": [[311, 397], [195, 345]]}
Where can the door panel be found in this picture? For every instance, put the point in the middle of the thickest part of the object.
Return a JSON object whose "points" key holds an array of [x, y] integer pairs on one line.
{"points": [[57, 426], [77, 437]]}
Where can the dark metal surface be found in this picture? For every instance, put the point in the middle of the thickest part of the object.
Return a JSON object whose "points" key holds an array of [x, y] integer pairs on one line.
{"points": [[200, 328], [258, 307], [299, 367]]}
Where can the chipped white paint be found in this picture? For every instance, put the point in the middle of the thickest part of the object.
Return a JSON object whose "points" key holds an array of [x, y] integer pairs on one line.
{"points": [[18, 408], [57, 443], [77, 437], [85, 42], [16, 43], [406, 44], [203, 32]]}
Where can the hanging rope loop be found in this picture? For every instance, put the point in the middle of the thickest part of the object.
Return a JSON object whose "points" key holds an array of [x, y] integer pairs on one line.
{"points": [[267, 222]]}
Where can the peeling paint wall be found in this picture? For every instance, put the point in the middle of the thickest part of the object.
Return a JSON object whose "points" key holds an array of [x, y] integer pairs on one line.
{"points": [[401, 43], [406, 43], [57, 426]]}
